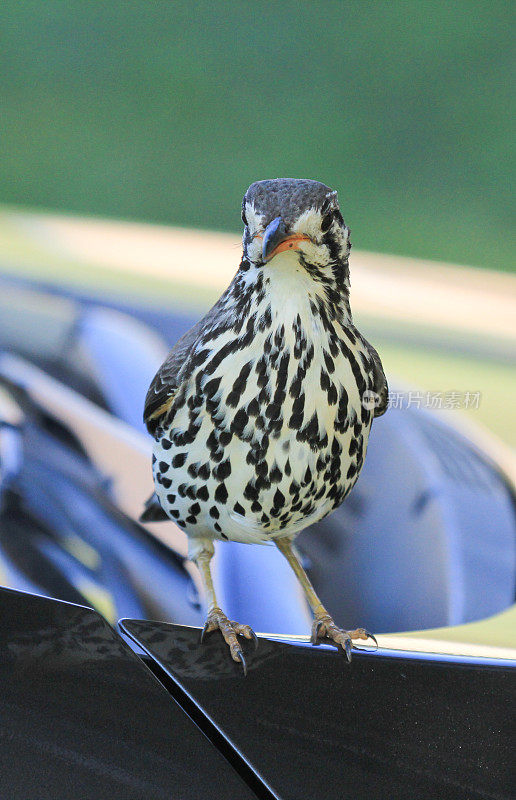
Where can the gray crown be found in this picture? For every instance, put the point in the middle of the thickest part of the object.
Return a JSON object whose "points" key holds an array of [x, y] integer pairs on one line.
{"points": [[286, 197]]}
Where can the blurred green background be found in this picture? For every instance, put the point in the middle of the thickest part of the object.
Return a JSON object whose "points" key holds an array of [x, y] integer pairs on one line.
{"points": [[166, 111]]}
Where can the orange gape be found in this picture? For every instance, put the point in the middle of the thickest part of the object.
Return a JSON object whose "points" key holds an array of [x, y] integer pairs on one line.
{"points": [[290, 243]]}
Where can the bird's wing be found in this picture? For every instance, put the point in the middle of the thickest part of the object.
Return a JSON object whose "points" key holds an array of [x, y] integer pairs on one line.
{"points": [[168, 379], [152, 511], [380, 385]]}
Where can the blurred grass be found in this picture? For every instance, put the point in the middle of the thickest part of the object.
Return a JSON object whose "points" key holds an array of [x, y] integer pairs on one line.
{"points": [[495, 631], [167, 111], [24, 256]]}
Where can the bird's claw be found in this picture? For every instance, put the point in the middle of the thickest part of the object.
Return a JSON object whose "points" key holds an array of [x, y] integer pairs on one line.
{"points": [[347, 649], [205, 630], [325, 627], [254, 638], [371, 636], [230, 630], [242, 660], [362, 633], [316, 627]]}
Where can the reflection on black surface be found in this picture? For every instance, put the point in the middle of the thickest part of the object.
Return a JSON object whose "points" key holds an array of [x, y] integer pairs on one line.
{"points": [[81, 717], [208, 662], [315, 727]]}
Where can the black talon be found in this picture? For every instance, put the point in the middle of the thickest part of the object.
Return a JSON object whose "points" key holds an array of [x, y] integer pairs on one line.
{"points": [[254, 640], [347, 649], [371, 636], [242, 659], [204, 631], [315, 633]]}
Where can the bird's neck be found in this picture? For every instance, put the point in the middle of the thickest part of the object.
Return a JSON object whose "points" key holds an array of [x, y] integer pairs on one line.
{"points": [[317, 294]]}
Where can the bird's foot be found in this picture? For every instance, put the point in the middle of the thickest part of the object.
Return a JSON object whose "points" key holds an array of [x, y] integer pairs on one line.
{"points": [[325, 628], [230, 630]]}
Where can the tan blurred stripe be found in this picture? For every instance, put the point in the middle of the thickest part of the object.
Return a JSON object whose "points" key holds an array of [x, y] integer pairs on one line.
{"points": [[385, 287]]}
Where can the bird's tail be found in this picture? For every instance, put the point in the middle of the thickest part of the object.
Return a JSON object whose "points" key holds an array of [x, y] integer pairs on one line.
{"points": [[153, 511]]}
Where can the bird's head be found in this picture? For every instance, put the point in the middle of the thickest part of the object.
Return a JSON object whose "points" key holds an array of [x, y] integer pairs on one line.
{"points": [[290, 218]]}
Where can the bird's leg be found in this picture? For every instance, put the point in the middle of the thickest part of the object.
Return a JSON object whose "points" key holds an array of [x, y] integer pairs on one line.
{"points": [[216, 617], [323, 625]]}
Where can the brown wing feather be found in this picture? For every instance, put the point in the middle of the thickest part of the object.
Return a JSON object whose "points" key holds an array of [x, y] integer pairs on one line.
{"points": [[380, 384], [166, 381], [169, 377]]}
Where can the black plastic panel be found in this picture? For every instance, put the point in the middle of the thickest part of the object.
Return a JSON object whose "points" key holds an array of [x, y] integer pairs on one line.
{"points": [[314, 727], [82, 717]]}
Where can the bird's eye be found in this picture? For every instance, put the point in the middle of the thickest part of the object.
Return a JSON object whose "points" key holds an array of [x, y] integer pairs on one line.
{"points": [[244, 218], [331, 216], [327, 220]]}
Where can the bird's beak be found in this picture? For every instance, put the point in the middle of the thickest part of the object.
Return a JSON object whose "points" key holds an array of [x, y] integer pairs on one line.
{"points": [[275, 239]]}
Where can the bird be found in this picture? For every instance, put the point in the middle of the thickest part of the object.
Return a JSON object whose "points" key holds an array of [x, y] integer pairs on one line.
{"points": [[261, 412]]}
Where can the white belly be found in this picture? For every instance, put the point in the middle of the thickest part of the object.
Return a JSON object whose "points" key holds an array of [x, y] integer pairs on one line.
{"points": [[276, 478]]}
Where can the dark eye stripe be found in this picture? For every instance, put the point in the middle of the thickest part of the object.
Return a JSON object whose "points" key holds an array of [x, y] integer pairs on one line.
{"points": [[327, 220]]}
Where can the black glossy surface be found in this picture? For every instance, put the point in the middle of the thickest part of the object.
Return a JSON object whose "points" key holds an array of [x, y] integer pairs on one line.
{"points": [[315, 727], [82, 717]]}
